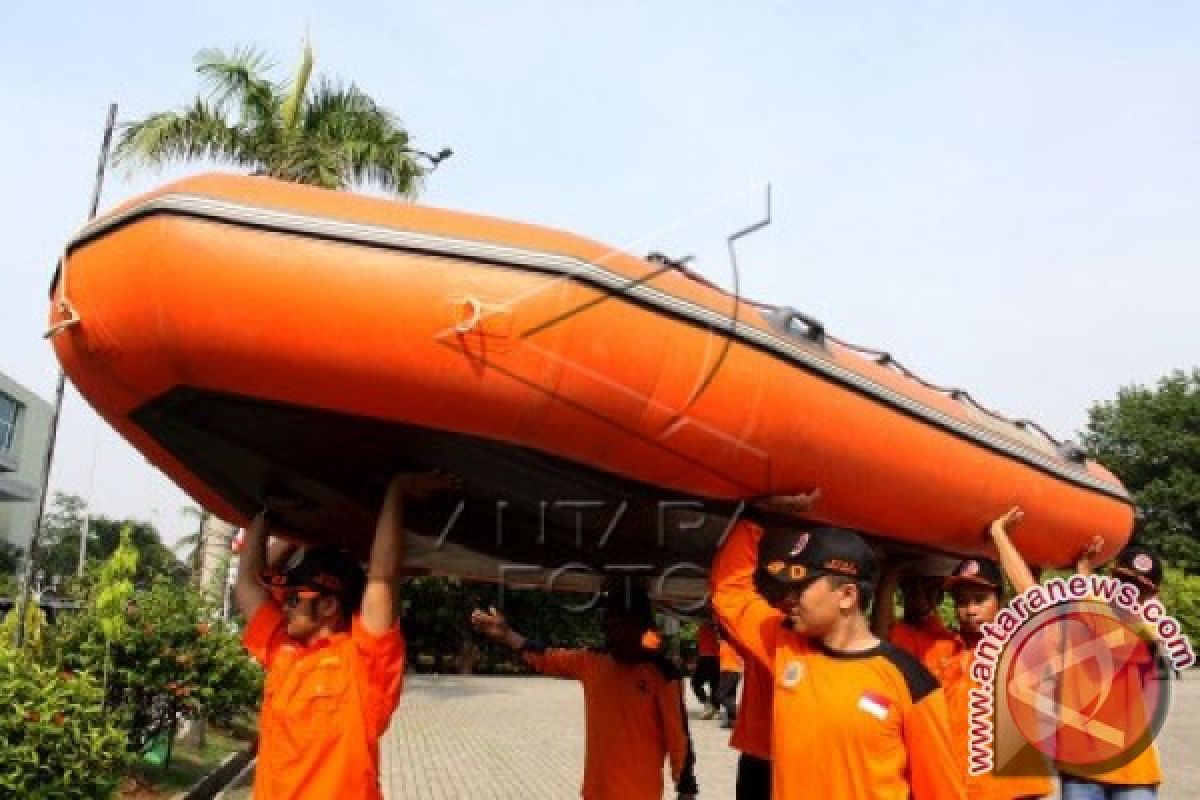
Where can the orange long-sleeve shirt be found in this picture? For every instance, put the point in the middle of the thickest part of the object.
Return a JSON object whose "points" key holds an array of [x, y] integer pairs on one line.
{"points": [[634, 718], [729, 659], [1124, 708], [752, 729], [929, 641], [869, 725], [957, 683], [325, 706]]}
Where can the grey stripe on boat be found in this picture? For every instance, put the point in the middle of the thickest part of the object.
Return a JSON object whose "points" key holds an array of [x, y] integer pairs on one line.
{"points": [[568, 266]]}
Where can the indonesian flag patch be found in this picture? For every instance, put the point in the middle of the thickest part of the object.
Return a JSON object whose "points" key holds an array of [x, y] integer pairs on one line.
{"points": [[875, 704]]}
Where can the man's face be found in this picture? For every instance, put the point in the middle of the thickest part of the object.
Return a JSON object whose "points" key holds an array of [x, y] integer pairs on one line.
{"points": [[623, 637], [975, 606], [305, 612], [921, 597], [816, 606]]}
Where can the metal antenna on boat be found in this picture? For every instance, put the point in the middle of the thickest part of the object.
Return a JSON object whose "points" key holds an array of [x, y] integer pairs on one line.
{"points": [[731, 243]]}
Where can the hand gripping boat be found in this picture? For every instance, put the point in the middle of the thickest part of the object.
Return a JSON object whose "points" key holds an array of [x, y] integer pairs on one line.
{"points": [[252, 338]]}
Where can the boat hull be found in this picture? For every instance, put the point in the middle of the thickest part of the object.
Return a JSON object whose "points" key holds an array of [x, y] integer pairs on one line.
{"points": [[252, 338]]}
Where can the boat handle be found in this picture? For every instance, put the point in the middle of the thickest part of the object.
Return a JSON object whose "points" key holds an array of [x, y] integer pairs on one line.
{"points": [[785, 319], [476, 309]]}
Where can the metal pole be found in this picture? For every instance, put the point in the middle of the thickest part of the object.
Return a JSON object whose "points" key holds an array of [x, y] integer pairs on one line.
{"points": [[87, 517], [83, 536], [31, 556]]}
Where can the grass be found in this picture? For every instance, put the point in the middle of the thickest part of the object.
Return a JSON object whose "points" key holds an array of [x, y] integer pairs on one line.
{"points": [[187, 766]]}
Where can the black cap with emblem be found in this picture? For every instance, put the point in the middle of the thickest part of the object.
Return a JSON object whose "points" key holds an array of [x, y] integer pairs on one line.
{"points": [[1139, 565], [981, 572], [789, 557], [326, 570]]}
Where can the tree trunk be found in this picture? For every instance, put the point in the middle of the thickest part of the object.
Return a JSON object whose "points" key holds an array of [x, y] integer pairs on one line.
{"points": [[215, 538], [468, 658], [192, 733]]}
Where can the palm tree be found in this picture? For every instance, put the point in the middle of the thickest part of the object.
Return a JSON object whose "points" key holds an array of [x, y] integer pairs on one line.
{"points": [[326, 134], [193, 542]]}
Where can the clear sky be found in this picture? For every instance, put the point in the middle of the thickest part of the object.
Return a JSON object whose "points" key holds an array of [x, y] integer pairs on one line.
{"points": [[1005, 195]]}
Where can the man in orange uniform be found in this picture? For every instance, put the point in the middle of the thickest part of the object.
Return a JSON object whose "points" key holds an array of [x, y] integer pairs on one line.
{"points": [[1140, 777], [708, 669], [333, 671], [727, 685], [854, 718], [633, 700], [920, 631], [976, 586]]}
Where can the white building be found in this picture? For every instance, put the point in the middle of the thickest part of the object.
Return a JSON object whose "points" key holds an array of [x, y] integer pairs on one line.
{"points": [[24, 429]]}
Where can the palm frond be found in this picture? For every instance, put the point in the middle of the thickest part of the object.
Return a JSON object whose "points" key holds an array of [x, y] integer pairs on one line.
{"points": [[297, 90], [232, 76], [367, 143], [235, 81], [329, 134], [191, 540], [198, 132]]}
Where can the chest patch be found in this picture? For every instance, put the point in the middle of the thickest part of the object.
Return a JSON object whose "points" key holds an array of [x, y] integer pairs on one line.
{"points": [[793, 673], [875, 704]]}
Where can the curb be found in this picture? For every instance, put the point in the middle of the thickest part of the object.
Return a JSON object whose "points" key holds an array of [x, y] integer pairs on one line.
{"points": [[232, 767], [244, 772]]}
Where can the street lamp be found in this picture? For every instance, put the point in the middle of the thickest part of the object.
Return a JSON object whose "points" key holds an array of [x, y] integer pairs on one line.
{"points": [[434, 160]]}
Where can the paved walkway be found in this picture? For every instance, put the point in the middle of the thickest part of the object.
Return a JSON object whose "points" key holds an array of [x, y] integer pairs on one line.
{"points": [[522, 739]]}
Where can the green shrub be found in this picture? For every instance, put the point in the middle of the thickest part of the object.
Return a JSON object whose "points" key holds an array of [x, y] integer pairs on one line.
{"points": [[1181, 598], [171, 658], [56, 741]]}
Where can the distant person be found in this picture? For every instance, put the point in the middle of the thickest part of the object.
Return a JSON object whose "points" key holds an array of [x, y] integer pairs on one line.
{"points": [[727, 684], [920, 630], [633, 699], [333, 653], [707, 674]]}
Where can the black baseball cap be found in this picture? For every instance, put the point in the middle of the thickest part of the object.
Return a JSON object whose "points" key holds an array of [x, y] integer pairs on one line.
{"points": [[627, 597], [326, 570], [1139, 565], [796, 556], [982, 572]]}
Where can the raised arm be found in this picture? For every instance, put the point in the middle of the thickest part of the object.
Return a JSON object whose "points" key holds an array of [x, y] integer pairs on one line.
{"points": [[248, 590], [739, 608], [1011, 560], [494, 625], [387, 550], [883, 612], [562, 663], [1085, 564], [789, 505]]}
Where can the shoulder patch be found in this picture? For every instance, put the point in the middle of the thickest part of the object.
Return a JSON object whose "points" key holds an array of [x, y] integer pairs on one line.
{"points": [[917, 678]]}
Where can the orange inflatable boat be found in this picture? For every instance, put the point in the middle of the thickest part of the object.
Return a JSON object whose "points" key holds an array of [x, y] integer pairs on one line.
{"points": [[253, 338]]}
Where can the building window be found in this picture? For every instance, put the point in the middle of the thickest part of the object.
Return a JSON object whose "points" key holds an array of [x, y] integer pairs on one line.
{"points": [[9, 409]]}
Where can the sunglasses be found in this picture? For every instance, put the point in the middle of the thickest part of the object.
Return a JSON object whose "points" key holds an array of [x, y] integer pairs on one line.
{"points": [[292, 597]]}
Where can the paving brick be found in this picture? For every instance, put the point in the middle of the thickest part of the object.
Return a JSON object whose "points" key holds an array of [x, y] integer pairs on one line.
{"points": [[493, 738]]}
